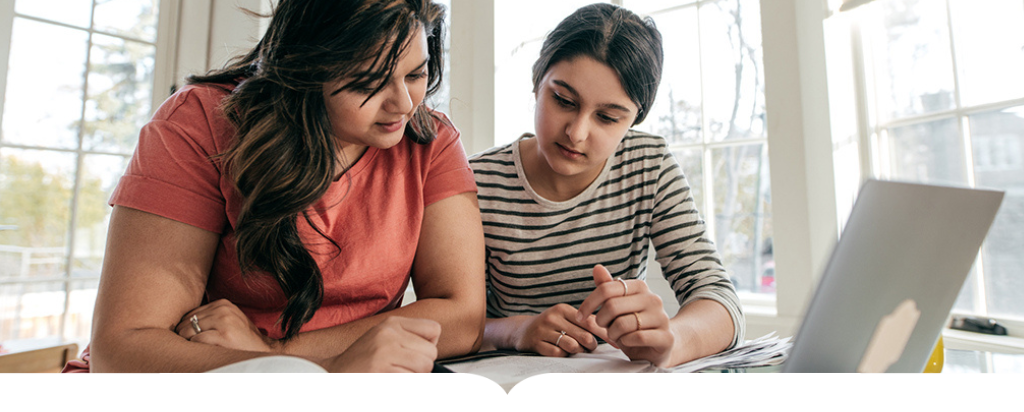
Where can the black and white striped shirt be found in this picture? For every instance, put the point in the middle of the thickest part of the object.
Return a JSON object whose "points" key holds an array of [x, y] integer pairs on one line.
{"points": [[541, 253]]}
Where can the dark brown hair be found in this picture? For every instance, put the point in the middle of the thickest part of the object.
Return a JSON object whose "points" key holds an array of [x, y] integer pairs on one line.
{"points": [[284, 157], [612, 35]]}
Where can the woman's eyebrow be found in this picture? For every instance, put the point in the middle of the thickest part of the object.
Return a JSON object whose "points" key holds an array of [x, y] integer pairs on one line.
{"points": [[366, 74], [612, 106]]}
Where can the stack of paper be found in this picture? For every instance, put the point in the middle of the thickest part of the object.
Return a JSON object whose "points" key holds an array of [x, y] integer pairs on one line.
{"points": [[767, 350]]}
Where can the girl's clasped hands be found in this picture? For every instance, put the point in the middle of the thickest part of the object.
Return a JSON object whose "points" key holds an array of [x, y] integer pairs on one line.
{"points": [[624, 313]]}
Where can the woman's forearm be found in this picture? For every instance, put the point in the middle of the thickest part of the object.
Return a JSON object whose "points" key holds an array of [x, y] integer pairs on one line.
{"points": [[461, 330], [701, 328], [151, 350], [501, 333]]}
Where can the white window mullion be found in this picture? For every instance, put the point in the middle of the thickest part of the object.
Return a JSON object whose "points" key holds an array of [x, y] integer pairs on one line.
{"points": [[952, 49], [866, 138], [980, 293], [709, 196], [6, 28], [708, 204], [79, 166], [166, 52], [962, 124], [884, 156]]}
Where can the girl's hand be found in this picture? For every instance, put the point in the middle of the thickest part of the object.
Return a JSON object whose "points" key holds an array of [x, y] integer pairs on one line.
{"points": [[221, 323], [633, 317], [555, 332], [395, 345]]}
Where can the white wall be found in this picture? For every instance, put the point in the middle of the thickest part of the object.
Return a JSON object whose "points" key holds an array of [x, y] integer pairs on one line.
{"points": [[211, 32]]}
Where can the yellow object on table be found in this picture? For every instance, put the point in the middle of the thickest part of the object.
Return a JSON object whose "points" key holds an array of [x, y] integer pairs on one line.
{"points": [[934, 364]]}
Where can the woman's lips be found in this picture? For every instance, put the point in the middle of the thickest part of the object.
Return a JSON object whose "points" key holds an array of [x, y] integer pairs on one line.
{"points": [[391, 127]]}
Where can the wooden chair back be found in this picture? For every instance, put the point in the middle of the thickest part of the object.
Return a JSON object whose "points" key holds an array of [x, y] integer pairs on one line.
{"points": [[51, 359]]}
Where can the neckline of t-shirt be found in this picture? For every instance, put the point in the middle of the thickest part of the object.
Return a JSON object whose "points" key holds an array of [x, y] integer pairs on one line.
{"points": [[541, 200], [361, 164], [344, 184]]}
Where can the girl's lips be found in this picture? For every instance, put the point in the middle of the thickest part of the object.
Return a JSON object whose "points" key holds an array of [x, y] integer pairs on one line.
{"points": [[572, 154]]}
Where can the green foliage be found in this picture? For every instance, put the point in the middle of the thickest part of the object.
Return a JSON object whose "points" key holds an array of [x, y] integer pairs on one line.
{"points": [[38, 202], [120, 87]]}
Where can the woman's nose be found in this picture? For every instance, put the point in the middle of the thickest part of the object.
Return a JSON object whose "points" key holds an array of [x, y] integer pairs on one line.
{"points": [[399, 100]]}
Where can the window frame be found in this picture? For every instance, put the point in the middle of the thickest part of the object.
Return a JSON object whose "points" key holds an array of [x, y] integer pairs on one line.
{"points": [[165, 45], [872, 133]]}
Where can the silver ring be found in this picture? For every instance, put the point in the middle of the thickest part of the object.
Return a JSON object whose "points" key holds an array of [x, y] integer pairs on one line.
{"points": [[559, 337], [625, 289], [195, 324]]}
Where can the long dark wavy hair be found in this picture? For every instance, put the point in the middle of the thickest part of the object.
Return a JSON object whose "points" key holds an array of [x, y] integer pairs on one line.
{"points": [[284, 157], [612, 35]]}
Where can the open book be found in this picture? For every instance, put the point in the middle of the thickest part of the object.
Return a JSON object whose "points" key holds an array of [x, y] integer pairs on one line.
{"points": [[507, 368]]}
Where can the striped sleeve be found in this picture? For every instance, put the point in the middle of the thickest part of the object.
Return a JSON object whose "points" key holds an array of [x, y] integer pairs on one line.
{"points": [[688, 258]]}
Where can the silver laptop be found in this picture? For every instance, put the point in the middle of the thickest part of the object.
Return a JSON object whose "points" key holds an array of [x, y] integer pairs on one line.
{"points": [[893, 278]]}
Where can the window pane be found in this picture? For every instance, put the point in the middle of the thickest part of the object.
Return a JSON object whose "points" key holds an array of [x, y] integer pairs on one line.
{"points": [[676, 114], [965, 302], [963, 361], [989, 39], [31, 311], [732, 72], [120, 93], [691, 161], [928, 153], [78, 323], [519, 31], [1007, 363], [743, 215], [130, 18], [73, 12], [100, 175], [998, 146], [43, 105], [914, 74], [35, 197]]}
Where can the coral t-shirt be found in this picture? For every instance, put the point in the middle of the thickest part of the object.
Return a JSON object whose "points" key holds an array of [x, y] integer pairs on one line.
{"points": [[374, 212]]}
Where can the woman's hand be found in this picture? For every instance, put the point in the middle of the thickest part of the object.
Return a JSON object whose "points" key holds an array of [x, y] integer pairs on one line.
{"points": [[395, 345], [555, 332], [221, 323], [633, 317]]}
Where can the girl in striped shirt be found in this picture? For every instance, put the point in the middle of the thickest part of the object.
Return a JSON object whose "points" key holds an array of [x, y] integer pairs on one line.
{"points": [[569, 212]]}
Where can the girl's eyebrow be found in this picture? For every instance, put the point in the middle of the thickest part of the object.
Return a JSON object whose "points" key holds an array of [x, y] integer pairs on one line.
{"points": [[425, 61], [612, 106]]}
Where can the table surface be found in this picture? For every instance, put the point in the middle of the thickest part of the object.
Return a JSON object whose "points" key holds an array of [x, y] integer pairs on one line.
{"points": [[508, 367]]}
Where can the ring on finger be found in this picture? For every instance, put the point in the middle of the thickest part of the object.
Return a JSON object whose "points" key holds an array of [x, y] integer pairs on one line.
{"points": [[625, 289], [195, 324], [560, 337], [639, 324]]}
